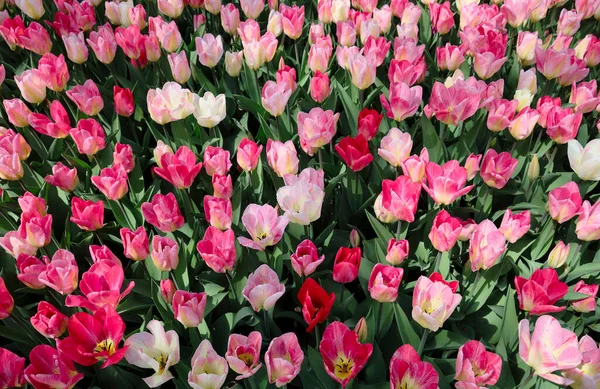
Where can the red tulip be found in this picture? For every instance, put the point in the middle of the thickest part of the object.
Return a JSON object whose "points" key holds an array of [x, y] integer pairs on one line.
{"points": [[94, 338], [343, 355], [408, 371], [347, 262], [355, 152], [368, 123], [123, 101], [50, 369], [316, 303], [11, 375], [538, 294]]}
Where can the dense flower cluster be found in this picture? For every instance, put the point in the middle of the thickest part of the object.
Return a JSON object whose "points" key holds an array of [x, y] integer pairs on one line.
{"points": [[344, 192]]}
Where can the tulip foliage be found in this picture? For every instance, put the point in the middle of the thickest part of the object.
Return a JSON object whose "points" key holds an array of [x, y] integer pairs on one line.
{"points": [[362, 194]]}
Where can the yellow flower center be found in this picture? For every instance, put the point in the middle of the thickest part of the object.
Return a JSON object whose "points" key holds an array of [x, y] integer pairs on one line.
{"points": [[247, 358], [343, 367], [107, 345], [162, 362]]}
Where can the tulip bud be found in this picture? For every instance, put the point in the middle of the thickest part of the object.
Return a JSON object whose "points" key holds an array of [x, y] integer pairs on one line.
{"points": [[167, 290], [558, 255], [361, 330], [233, 63], [533, 172], [354, 238]]}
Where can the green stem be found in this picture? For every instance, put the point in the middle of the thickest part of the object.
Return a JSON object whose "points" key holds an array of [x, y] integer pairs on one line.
{"points": [[438, 258], [356, 183], [266, 323], [399, 229], [297, 56], [230, 281], [378, 322], [317, 336], [320, 159], [361, 98], [423, 341]]}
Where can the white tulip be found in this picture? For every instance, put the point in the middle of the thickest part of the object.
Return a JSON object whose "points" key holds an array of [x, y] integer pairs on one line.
{"points": [[210, 110], [585, 161]]}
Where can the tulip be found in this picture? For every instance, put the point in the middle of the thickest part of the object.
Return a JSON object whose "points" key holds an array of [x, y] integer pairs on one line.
{"points": [[248, 154], [87, 98], [523, 124], [442, 18], [564, 202], [165, 253], [401, 197], [103, 254], [343, 355], [61, 273], [29, 270], [32, 204], [7, 302], [548, 338], [487, 244], [218, 212], [449, 57], [355, 152], [527, 43], [123, 157], [585, 161], [12, 374], [209, 110], [383, 17], [60, 125], [584, 374], [32, 86], [180, 67], [252, 8], [287, 75], [264, 226], [222, 186], [171, 103], [538, 294], [584, 96], [188, 308], [407, 370], [112, 182], [36, 229], [316, 303], [217, 249], [157, 350], [167, 33], [32, 8], [403, 101], [10, 167], [167, 290], [397, 251], [54, 71], [362, 70], [243, 354], [453, 104], [283, 359], [230, 19], [77, 51], [282, 157], [263, 288], [11, 142], [316, 129], [515, 226], [346, 33], [562, 125], [163, 212], [587, 304], [501, 114], [384, 283], [88, 215], [275, 96], [444, 231], [559, 254], [301, 201], [209, 369], [395, 147], [180, 169], [103, 43], [319, 87], [433, 301], [368, 123], [292, 20], [588, 222], [209, 49], [36, 39], [171, 8], [63, 177], [17, 111], [346, 265], [93, 338], [135, 243], [216, 161], [496, 169], [306, 258], [233, 63], [446, 183], [88, 137], [476, 367], [15, 244], [49, 321], [49, 365]]}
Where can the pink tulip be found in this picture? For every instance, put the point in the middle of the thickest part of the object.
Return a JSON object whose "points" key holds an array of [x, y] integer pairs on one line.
{"points": [[449, 57], [216, 161], [501, 114], [50, 365], [346, 33], [548, 338], [112, 182], [397, 251], [222, 186], [103, 43], [7, 302], [209, 49], [486, 245], [306, 258], [54, 71], [86, 214], [442, 18], [538, 294], [248, 154], [362, 70], [163, 212], [584, 374], [32, 86], [180, 169], [87, 98], [282, 157], [434, 300], [14, 143], [180, 67], [252, 8], [217, 249], [123, 157], [167, 290], [263, 288], [476, 367], [135, 243], [49, 321], [30, 268], [407, 369], [36, 229], [292, 19], [562, 125], [243, 354], [496, 169], [559, 254], [472, 165], [319, 54], [17, 111], [346, 264], [165, 253], [11, 168], [395, 147], [171, 8], [585, 97], [444, 231], [514, 226], [188, 308], [527, 43], [403, 101], [446, 183], [218, 212], [103, 254], [588, 222], [12, 374], [233, 63], [264, 226], [287, 75], [88, 136], [564, 202], [63, 177], [454, 104], [316, 129], [60, 125], [489, 61], [401, 197], [61, 273], [587, 304], [167, 33], [209, 369], [283, 359], [230, 19], [32, 204], [15, 244], [384, 283], [275, 96], [75, 46], [319, 87]]}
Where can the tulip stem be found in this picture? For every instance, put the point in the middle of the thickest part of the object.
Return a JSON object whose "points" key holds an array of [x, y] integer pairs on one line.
{"points": [[356, 183], [361, 98], [320, 159], [266, 323], [423, 341], [23, 186], [317, 336], [277, 127], [297, 56], [230, 281], [378, 322]]}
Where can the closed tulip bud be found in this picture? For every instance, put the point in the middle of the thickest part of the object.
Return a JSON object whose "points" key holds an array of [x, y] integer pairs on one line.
{"points": [[248, 154], [442, 18], [167, 290], [180, 67], [165, 253], [103, 43], [216, 161], [362, 70], [527, 42], [17, 111], [361, 330], [340, 9], [123, 101], [11, 168], [233, 63], [384, 283], [368, 123], [355, 152], [171, 8], [395, 147], [230, 19], [135, 243], [354, 238], [588, 222], [213, 6], [319, 87], [533, 171], [222, 186], [564, 202], [77, 51], [587, 304], [346, 33], [397, 251], [32, 86], [559, 254], [49, 321], [523, 124], [252, 8], [188, 308]]}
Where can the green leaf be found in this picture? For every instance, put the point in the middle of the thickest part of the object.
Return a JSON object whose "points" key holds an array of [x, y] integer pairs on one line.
{"points": [[382, 232], [316, 364], [544, 241], [405, 329], [431, 140]]}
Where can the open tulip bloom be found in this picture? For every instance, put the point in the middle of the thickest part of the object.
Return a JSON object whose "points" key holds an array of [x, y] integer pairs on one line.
{"points": [[270, 193]]}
